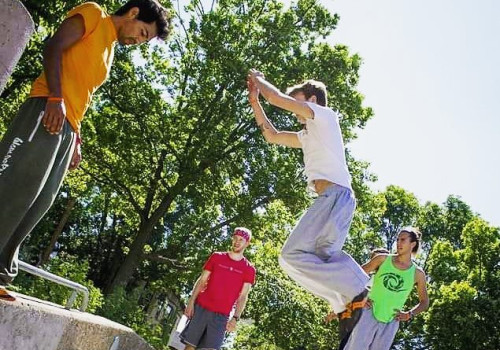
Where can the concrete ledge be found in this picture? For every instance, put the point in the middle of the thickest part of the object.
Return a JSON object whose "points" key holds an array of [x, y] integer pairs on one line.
{"points": [[32, 324], [16, 26]]}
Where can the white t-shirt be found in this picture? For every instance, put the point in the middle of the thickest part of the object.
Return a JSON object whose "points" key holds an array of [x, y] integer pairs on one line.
{"points": [[323, 148]]}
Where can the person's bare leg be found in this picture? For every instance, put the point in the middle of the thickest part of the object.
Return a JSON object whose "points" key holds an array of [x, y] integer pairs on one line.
{"points": [[189, 347]]}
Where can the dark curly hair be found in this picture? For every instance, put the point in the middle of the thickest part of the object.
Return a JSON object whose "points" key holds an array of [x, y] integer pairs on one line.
{"points": [[150, 11]]}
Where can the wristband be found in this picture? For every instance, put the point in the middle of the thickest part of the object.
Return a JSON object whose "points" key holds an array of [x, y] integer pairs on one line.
{"points": [[55, 99]]}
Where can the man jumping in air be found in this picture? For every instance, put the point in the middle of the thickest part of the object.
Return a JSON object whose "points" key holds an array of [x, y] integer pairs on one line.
{"points": [[313, 254]]}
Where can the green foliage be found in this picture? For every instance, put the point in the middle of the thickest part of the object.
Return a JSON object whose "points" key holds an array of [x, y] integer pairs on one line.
{"points": [[122, 307], [443, 265], [70, 268], [450, 317], [465, 290], [173, 161], [402, 209]]}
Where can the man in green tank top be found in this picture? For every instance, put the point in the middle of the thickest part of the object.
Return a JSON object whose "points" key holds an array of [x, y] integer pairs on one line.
{"points": [[394, 280]]}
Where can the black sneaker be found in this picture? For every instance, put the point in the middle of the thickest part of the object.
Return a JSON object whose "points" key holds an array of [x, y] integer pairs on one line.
{"points": [[350, 316]]}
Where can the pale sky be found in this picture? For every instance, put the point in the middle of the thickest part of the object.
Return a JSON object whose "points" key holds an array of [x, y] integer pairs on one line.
{"points": [[431, 74]]}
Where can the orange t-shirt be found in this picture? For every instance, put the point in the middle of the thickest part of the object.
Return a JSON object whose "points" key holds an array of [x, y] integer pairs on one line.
{"points": [[85, 65]]}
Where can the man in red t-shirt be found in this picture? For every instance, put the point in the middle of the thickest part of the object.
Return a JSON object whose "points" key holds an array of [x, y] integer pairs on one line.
{"points": [[226, 279]]}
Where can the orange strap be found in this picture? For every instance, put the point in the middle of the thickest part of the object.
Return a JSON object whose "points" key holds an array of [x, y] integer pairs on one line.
{"points": [[55, 99], [358, 304]]}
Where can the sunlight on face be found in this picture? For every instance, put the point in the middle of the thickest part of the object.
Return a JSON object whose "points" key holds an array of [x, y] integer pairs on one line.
{"points": [[404, 243], [239, 243]]}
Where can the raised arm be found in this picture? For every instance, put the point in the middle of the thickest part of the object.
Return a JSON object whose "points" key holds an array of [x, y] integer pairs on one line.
{"points": [[240, 307], [374, 263], [275, 97], [271, 135], [198, 287]]}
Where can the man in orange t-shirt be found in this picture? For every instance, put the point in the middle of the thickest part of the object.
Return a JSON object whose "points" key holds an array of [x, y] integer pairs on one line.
{"points": [[44, 139]]}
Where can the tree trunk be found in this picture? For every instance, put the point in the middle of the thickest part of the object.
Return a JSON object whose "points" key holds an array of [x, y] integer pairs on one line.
{"points": [[133, 258], [55, 236]]}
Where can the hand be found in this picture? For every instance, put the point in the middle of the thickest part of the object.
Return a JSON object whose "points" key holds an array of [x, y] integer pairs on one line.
{"points": [[368, 304], [253, 91], [54, 116], [77, 154], [402, 316], [231, 325], [330, 317], [189, 312], [253, 74]]}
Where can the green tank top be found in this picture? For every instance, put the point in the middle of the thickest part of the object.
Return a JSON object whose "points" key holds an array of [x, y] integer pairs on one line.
{"points": [[391, 287]]}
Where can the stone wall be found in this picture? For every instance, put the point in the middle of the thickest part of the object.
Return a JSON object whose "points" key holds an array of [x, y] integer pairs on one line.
{"points": [[16, 28], [32, 324]]}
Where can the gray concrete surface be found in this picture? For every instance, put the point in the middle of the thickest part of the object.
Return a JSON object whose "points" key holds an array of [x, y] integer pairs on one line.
{"points": [[32, 324], [16, 28]]}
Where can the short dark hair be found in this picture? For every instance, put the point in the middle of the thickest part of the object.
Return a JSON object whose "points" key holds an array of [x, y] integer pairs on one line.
{"points": [[415, 236], [150, 11], [310, 88]]}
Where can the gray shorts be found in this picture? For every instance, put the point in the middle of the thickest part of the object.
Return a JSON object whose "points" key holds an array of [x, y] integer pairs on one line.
{"points": [[206, 330]]}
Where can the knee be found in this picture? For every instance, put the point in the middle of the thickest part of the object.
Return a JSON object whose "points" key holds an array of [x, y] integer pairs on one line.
{"points": [[282, 262], [286, 259], [324, 252]]}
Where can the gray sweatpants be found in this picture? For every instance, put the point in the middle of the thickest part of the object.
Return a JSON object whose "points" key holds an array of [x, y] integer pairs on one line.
{"points": [[313, 254], [32, 167], [370, 334]]}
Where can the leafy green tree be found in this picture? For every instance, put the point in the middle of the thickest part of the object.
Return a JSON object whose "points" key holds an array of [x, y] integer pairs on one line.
{"points": [[402, 208], [173, 161], [175, 139], [466, 286]]}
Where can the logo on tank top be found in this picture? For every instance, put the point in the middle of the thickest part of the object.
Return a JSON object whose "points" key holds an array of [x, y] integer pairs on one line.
{"points": [[393, 282]]}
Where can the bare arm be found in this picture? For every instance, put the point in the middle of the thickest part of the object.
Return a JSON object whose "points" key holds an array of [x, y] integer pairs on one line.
{"points": [[70, 31], [374, 263], [77, 153], [422, 297], [200, 284], [275, 97], [240, 306], [242, 299], [271, 135]]}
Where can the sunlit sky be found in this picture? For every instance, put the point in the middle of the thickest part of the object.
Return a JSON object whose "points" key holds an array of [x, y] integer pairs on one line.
{"points": [[431, 73]]}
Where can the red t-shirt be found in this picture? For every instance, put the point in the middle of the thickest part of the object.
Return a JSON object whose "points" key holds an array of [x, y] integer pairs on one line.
{"points": [[226, 280]]}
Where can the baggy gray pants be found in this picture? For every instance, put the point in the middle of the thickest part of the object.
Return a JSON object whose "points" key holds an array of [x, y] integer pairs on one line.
{"points": [[313, 255], [370, 334], [32, 168]]}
